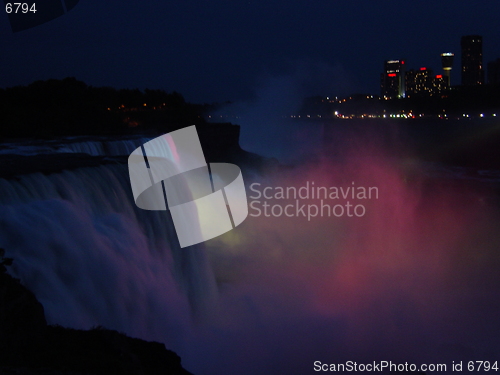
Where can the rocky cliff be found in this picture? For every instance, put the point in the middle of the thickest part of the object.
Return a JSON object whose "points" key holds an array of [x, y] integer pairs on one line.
{"points": [[29, 346]]}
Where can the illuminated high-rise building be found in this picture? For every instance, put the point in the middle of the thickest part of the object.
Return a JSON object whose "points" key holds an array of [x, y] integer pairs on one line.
{"points": [[472, 60], [447, 63], [392, 82], [422, 82], [411, 82], [440, 83]]}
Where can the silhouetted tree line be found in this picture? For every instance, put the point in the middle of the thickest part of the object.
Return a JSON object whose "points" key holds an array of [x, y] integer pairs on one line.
{"points": [[70, 107]]}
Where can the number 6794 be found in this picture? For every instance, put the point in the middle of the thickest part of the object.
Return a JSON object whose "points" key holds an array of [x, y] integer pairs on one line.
{"points": [[20, 8]]}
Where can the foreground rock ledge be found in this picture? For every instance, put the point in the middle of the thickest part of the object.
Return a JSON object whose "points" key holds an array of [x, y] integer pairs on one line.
{"points": [[29, 346]]}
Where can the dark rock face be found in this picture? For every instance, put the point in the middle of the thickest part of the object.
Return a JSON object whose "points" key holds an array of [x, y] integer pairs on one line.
{"points": [[22, 319], [28, 346], [101, 351]]}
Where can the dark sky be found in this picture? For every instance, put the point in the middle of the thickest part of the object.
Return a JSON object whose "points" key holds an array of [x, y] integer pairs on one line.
{"points": [[227, 49]]}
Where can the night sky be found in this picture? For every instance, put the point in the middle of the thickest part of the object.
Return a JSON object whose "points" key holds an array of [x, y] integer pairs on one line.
{"points": [[227, 50]]}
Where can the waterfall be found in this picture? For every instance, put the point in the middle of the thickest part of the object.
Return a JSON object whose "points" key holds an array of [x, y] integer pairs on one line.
{"points": [[95, 146], [93, 258], [104, 147]]}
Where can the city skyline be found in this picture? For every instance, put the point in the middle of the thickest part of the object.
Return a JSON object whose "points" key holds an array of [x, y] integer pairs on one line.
{"points": [[398, 82]]}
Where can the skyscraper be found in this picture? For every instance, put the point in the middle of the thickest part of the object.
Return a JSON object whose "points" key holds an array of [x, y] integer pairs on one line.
{"points": [[472, 60], [422, 82], [447, 63], [393, 79]]}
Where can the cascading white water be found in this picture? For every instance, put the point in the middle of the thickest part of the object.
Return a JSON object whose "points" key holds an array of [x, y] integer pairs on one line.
{"points": [[97, 146], [92, 258], [104, 147]]}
